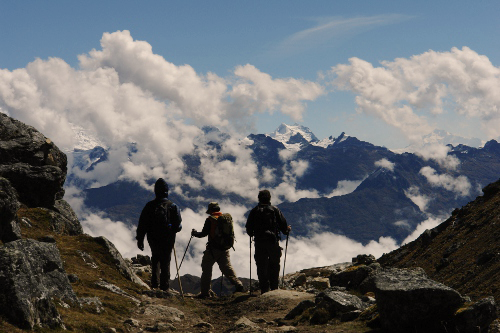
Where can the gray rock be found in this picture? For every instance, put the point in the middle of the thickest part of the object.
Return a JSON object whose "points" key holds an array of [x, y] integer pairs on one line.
{"points": [[337, 302], [32, 163], [300, 308], [350, 316], [165, 312], [9, 225], [407, 301], [31, 274], [119, 262], [352, 277], [478, 315], [64, 220], [300, 280]]}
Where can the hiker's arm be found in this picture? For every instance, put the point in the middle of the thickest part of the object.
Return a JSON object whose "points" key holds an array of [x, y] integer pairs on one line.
{"points": [[142, 228], [283, 226], [177, 219], [250, 223], [204, 232]]}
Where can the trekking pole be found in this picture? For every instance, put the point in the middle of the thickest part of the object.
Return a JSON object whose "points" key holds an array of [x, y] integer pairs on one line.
{"points": [[284, 261], [250, 265], [187, 247], [178, 276]]}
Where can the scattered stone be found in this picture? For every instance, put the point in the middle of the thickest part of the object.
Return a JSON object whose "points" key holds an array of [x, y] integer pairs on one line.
{"points": [[73, 278], [132, 322], [245, 323], [111, 287], [165, 312], [300, 280], [94, 303], [47, 239], [204, 324], [300, 308], [319, 283], [480, 314], [350, 316]]}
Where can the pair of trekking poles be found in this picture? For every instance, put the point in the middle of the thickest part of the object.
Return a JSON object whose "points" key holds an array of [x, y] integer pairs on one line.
{"points": [[222, 276]]}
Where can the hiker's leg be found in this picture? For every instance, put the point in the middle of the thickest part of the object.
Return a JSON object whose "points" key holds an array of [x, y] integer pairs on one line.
{"points": [[262, 261], [165, 260], [206, 271], [155, 265], [274, 265], [227, 269]]}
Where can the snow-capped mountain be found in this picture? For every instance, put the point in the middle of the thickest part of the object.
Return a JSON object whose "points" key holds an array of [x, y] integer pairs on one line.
{"points": [[84, 140], [294, 137]]}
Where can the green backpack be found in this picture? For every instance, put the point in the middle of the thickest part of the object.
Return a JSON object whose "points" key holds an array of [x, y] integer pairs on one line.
{"points": [[224, 232]]}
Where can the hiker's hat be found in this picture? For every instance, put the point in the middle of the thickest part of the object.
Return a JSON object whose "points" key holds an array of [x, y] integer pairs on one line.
{"points": [[213, 207]]}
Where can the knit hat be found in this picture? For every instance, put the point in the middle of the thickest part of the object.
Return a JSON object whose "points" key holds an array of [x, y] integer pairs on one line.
{"points": [[213, 207]]}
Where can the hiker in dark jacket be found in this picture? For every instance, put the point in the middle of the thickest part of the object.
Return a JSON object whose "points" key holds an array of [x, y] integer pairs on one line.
{"points": [[213, 254], [264, 223], [160, 220]]}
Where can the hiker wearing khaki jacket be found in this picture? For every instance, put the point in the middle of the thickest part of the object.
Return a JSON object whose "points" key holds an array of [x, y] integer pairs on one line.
{"points": [[214, 253]]}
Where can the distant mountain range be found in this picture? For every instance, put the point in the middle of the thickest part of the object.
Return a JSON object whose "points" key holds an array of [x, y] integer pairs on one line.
{"points": [[366, 191]]}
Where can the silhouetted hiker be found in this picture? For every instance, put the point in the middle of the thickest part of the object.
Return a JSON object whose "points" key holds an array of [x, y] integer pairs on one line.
{"points": [[264, 223], [217, 251], [160, 220]]}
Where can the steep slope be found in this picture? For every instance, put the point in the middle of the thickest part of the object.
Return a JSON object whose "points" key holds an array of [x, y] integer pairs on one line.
{"points": [[463, 252]]}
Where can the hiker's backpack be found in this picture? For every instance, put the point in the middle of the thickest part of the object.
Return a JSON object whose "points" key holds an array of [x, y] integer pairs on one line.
{"points": [[224, 232], [162, 222], [266, 225]]}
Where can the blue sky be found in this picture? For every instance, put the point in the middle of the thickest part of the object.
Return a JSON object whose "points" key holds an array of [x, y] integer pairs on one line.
{"points": [[153, 72], [285, 39]]}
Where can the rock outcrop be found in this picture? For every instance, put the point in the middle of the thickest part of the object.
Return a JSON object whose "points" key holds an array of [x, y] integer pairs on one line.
{"points": [[32, 163], [9, 225], [31, 277]]}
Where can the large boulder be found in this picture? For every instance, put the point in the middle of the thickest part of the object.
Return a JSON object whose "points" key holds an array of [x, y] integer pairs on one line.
{"points": [[31, 276], [408, 301], [119, 262], [32, 163], [63, 219], [9, 226]]}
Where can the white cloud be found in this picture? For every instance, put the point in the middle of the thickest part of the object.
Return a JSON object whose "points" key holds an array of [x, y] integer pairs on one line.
{"points": [[439, 153], [328, 29], [345, 187], [459, 185], [430, 223], [385, 163], [404, 91], [421, 200], [258, 92]]}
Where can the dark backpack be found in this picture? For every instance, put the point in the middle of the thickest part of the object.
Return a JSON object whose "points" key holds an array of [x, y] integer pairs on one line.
{"points": [[161, 223], [223, 237], [266, 226]]}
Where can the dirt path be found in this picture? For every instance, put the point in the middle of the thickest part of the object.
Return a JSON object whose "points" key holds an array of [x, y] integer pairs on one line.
{"points": [[238, 313]]}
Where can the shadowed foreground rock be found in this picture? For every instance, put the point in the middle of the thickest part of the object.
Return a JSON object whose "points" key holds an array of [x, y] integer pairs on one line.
{"points": [[9, 226], [31, 274], [408, 301]]}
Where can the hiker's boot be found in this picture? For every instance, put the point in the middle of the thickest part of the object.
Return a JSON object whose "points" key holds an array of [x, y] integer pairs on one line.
{"points": [[239, 288]]}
